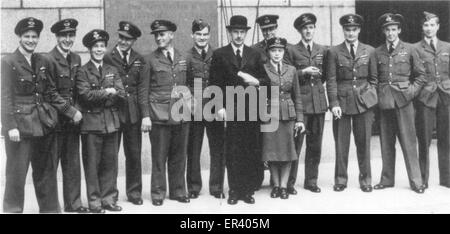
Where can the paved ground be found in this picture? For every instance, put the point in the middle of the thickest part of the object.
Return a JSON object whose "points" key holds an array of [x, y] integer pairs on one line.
{"points": [[396, 200]]}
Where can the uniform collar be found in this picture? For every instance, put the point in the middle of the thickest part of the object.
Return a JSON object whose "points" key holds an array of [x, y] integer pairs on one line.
{"points": [[355, 45], [64, 54], [26, 54], [275, 65], [171, 50], [428, 40], [121, 54], [199, 51], [97, 64], [395, 43], [305, 44]]}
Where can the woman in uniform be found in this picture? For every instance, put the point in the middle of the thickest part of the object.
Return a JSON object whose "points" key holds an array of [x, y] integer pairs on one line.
{"points": [[279, 146]]}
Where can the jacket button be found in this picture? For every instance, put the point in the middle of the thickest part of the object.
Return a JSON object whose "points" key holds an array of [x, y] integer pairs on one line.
{"points": [[174, 75], [354, 86], [34, 76], [126, 76], [312, 84]]}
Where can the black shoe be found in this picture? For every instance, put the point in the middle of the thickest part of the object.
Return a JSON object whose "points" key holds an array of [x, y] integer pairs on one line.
{"points": [[366, 189], [284, 193], [248, 199], [193, 195], [292, 191], [111, 207], [136, 201], [425, 186], [157, 202], [232, 199], [183, 199], [80, 210], [420, 189], [339, 187], [275, 192], [382, 186], [313, 188], [97, 210], [218, 195]]}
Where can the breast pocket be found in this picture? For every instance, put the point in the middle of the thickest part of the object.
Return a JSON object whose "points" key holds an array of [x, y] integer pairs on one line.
{"points": [[64, 82], [402, 65], [382, 66], [162, 76], [344, 67], [362, 67], [25, 85]]}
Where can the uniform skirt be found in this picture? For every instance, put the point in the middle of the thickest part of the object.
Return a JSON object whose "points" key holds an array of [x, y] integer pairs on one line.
{"points": [[279, 145]]}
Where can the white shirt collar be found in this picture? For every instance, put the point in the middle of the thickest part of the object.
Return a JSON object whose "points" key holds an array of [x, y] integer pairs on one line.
{"points": [[427, 40], [121, 54], [236, 48], [97, 64], [275, 65], [200, 50], [355, 45], [64, 54], [395, 43], [26, 54], [171, 50], [305, 44]]}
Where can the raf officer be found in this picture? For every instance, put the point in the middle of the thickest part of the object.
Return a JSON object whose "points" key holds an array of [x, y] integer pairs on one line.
{"points": [[433, 102], [351, 93], [309, 57], [29, 118], [64, 66], [130, 65], [100, 90], [166, 70], [198, 63], [400, 75]]}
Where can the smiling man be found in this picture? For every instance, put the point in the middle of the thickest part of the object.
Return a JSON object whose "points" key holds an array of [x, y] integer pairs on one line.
{"points": [[130, 65], [165, 72], [399, 74], [198, 63], [64, 66], [28, 117]]}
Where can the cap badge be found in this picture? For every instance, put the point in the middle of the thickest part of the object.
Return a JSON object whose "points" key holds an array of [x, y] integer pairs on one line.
{"points": [[96, 35], [277, 41], [126, 27], [66, 24], [31, 23], [388, 18], [266, 20], [351, 19]]}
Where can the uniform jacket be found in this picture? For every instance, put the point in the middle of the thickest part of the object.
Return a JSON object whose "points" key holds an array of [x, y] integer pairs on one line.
{"points": [[437, 73], [400, 76], [132, 76], [224, 69], [290, 101], [162, 86], [64, 78], [99, 109], [29, 97], [312, 89], [349, 84]]}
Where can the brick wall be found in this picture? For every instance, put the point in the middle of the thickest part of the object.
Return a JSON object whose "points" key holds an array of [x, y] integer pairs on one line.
{"points": [[89, 13]]}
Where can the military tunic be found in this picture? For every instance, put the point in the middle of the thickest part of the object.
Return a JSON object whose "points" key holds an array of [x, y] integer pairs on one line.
{"points": [[28, 101], [131, 74], [433, 109]]}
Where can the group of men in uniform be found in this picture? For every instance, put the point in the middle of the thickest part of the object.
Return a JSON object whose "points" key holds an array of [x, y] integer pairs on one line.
{"points": [[49, 101]]}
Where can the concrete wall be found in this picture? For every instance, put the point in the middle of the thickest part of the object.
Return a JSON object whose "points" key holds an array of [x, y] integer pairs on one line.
{"points": [[89, 13], [328, 12]]}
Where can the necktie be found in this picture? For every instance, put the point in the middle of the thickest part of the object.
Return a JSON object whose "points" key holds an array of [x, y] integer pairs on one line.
{"points": [[352, 51], [169, 57], [309, 49], [432, 45], [33, 63], [391, 48], [238, 57], [203, 54], [278, 69], [124, 58], [100, 70], [68, 59]]}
